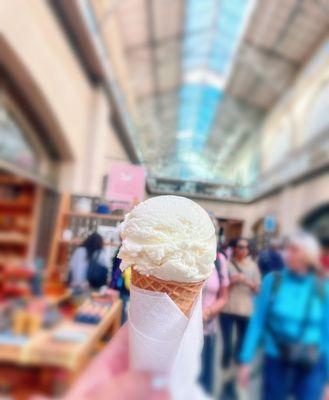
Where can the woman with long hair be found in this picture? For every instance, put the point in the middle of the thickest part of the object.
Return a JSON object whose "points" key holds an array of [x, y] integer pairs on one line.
{"points": [[291, 321], [244, 278], [92, 249]]}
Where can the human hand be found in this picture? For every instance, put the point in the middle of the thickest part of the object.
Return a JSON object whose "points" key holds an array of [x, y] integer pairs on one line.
{"points": [[126, 386], [255, 287], [237, 278], [243, 279], [207, 314], [244, 375], [108, 377]]}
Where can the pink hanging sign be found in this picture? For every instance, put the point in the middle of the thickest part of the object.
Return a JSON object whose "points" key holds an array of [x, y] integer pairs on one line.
{"points": [[126, 182]]}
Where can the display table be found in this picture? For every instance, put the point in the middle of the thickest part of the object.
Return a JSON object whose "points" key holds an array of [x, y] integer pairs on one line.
{"points": [[46, 355]]}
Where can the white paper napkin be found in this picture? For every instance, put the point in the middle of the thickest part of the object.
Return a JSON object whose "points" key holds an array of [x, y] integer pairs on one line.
{"points": [[164, 341]]}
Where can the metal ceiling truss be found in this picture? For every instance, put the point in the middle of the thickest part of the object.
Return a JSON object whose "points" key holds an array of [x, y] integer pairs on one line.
{"points": [[279, 38]]}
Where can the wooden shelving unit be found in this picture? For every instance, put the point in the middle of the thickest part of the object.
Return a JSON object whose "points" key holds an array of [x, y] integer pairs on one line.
{"points": [[16, 205], [81, 225], [14, 241], [19, 203]]}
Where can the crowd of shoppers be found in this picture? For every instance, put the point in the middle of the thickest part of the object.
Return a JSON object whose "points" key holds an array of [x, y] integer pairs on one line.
{"points": [[277, 302], [288, 320]]}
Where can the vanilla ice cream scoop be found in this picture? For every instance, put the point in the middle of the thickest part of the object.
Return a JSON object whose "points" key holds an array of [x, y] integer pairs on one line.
{"points": [[169, 237]]}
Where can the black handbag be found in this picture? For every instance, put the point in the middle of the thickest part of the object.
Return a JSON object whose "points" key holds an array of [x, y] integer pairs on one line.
{"points": [[295, 353], [299, 354]]}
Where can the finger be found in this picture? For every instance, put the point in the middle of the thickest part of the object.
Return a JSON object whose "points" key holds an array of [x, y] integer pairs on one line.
{"points": [[118, 358], [111, 361], [115, 356], [39, 397], [160, 395], [127, 386]]}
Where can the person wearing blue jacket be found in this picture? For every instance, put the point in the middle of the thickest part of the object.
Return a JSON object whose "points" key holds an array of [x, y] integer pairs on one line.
{"points": [[291, 322]]}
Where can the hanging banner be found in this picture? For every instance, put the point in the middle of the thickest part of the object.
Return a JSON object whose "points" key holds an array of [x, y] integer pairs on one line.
{"points": [[126, 183], [270, 224]]}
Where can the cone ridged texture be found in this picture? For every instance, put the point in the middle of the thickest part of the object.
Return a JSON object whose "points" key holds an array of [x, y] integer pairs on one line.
{"points": [[183, 294]]}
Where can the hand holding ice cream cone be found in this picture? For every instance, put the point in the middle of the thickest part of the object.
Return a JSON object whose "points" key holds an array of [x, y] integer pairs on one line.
{"points": [[170, 243]]}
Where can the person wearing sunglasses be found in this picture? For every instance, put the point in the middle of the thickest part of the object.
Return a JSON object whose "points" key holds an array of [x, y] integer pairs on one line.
{"points": [[244, 277], [291, 323]]}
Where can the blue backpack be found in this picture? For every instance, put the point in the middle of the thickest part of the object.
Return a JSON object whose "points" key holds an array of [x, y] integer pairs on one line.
{"points": [[96, 272]]}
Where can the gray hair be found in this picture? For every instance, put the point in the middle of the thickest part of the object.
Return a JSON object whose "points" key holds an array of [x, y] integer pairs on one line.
{"points": [[309, 244]]}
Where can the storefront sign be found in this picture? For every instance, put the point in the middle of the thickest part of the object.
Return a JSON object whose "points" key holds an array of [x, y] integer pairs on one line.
{"points": [[126, 183], [270, 224]]}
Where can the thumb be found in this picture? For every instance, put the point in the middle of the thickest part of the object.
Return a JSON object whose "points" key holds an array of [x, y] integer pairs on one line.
{"points": [[129, 386], [160, 395]]}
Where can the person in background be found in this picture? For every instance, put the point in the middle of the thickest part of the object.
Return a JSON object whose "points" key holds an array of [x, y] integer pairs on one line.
{"points": [[121, 281], [214, 297], [91, 248], [244, 279], [291, 321], [271, 259], [325, 256]]}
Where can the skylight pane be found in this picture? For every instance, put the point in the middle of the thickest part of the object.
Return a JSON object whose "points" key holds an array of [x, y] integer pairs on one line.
{"points": [[212, 32]]}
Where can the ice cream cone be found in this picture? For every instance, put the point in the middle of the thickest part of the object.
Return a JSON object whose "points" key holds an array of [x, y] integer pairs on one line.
{"points": [[183, 294]]}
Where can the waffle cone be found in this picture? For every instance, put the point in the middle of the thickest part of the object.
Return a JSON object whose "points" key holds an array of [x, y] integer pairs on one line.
{"points": [[183, 294]]}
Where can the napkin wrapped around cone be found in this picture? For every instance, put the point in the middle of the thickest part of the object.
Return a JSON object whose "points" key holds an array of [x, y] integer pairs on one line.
{"points": [[182, 294]]}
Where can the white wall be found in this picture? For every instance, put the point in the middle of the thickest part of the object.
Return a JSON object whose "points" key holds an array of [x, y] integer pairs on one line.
{"points": [[79, 112], [286, 126]]}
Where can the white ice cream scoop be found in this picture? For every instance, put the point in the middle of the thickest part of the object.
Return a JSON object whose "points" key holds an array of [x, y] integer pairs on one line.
{"points": [[169, 237]]}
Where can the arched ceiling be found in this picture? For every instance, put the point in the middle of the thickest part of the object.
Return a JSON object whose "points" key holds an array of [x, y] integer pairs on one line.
{"points": [[205, 73]]}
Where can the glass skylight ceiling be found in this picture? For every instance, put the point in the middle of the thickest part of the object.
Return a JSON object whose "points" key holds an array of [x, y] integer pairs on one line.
{"points": [[211, 39], [204, 73]]}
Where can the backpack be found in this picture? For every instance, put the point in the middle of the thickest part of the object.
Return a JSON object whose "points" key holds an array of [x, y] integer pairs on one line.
{"points": [[96, 272]]}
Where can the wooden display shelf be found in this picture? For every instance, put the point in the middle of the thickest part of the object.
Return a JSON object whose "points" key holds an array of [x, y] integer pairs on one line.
{"points": [[67, 219], [15, 291], [17, 273], [45, 351], [43, 357], [94, 215], [14, 180], [15, 205], [19, 213], [18, 241]]}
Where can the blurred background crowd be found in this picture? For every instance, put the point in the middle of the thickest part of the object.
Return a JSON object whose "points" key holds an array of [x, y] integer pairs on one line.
{"points": [[105, 103], [272, 315]]}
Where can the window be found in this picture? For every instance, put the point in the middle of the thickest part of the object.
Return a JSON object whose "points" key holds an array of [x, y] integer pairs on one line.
{"points": [[14, 146], [318, 119]]}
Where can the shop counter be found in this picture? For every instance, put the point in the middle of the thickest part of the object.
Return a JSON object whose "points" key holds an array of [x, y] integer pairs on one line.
{"points": [[55, 356]]}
